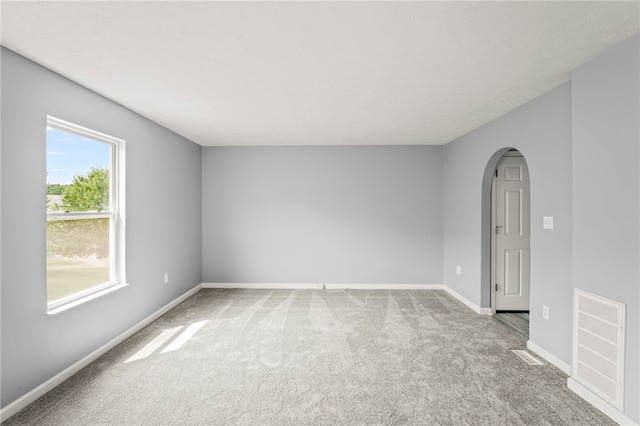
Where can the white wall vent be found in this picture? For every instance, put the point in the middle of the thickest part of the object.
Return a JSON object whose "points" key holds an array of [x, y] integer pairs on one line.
{"points": [[598, 346]]}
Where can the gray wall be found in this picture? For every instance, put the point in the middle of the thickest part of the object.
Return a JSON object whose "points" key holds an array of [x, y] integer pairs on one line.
{"points": [[322, 214], [541, 131], [582, 145], [163, 224], [329, 214], [606, 191]]}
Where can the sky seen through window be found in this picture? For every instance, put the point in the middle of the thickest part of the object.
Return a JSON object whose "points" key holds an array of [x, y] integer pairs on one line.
{"points": [[69, 154]]}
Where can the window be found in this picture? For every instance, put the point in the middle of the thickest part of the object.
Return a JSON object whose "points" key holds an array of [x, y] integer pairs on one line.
{"points": [[85, 214]]}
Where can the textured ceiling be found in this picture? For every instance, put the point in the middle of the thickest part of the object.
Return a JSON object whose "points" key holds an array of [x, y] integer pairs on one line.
{"points": [[325, 73]]}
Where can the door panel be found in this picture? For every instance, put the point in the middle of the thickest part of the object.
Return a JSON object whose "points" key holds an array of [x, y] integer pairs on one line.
{"points": [[513, 272], [513, 213], [511, 243], [513, 173]]}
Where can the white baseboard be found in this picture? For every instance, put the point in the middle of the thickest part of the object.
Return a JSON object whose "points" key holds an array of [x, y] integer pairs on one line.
{"points": [[264, 285], [552, 359], [338, 286], [344, 286], [41, 390], [612, 412], [477, 309], [328, 286]]}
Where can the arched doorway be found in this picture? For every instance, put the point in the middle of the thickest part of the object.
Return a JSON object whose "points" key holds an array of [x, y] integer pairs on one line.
{"points": [[505, 239], [510, 236]]}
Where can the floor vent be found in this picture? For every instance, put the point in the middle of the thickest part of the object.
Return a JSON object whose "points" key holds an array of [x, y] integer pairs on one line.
{"points": [[527, 357], [598, 346]]}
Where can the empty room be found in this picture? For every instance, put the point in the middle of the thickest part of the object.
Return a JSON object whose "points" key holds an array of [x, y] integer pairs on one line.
{"points": [[298, 213]]}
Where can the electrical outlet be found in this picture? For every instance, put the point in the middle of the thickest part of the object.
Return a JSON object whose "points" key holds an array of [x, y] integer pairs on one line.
{"points": [[545, 312], [547, 222], [166, 278], [458, 269]]}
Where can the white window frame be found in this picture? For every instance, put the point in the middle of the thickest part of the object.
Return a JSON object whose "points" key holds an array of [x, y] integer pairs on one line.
{"points": [[115, 214]]}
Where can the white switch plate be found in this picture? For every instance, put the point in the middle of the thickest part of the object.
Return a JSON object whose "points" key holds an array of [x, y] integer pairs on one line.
{"points": [[545, 312], [166, 278], [458, 269], [547, 222]]}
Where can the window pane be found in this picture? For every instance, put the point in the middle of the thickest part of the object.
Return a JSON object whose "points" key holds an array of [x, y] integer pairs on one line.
{"points": [[78, 256], [82, 243], [78, 170]]}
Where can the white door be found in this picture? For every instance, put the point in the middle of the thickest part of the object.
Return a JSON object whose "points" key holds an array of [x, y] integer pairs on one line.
{"points": [[511, 234]]}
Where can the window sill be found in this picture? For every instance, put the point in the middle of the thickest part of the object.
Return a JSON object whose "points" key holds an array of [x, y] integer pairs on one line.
{"points": [[60, 309]]}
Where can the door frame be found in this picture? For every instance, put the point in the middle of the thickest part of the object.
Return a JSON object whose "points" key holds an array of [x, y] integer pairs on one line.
{"points": [[486, 244], [510, 152], [494, 201]]}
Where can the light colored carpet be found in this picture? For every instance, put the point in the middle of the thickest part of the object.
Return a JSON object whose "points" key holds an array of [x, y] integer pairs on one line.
{"points": [[299, 357]]}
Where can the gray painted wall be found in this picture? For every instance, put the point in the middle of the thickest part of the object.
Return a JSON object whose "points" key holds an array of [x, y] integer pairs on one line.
{"points": [[322, 214], [541, 131], [606, 191], [164, 208], [329, 214]]}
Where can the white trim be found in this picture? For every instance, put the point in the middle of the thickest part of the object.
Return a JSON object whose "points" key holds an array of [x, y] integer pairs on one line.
{"points": [[264, 285], [94, 214], [81, 130], [337, 286], [492, 247], [62, 305], [119, 243], [477, 309], [613, 413], [59, 378], [328, 286], [552, 359], [115, 214]]}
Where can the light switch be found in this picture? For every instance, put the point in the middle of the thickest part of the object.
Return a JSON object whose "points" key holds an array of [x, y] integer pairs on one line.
{"points": [[458, 269], [547, 222]]}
